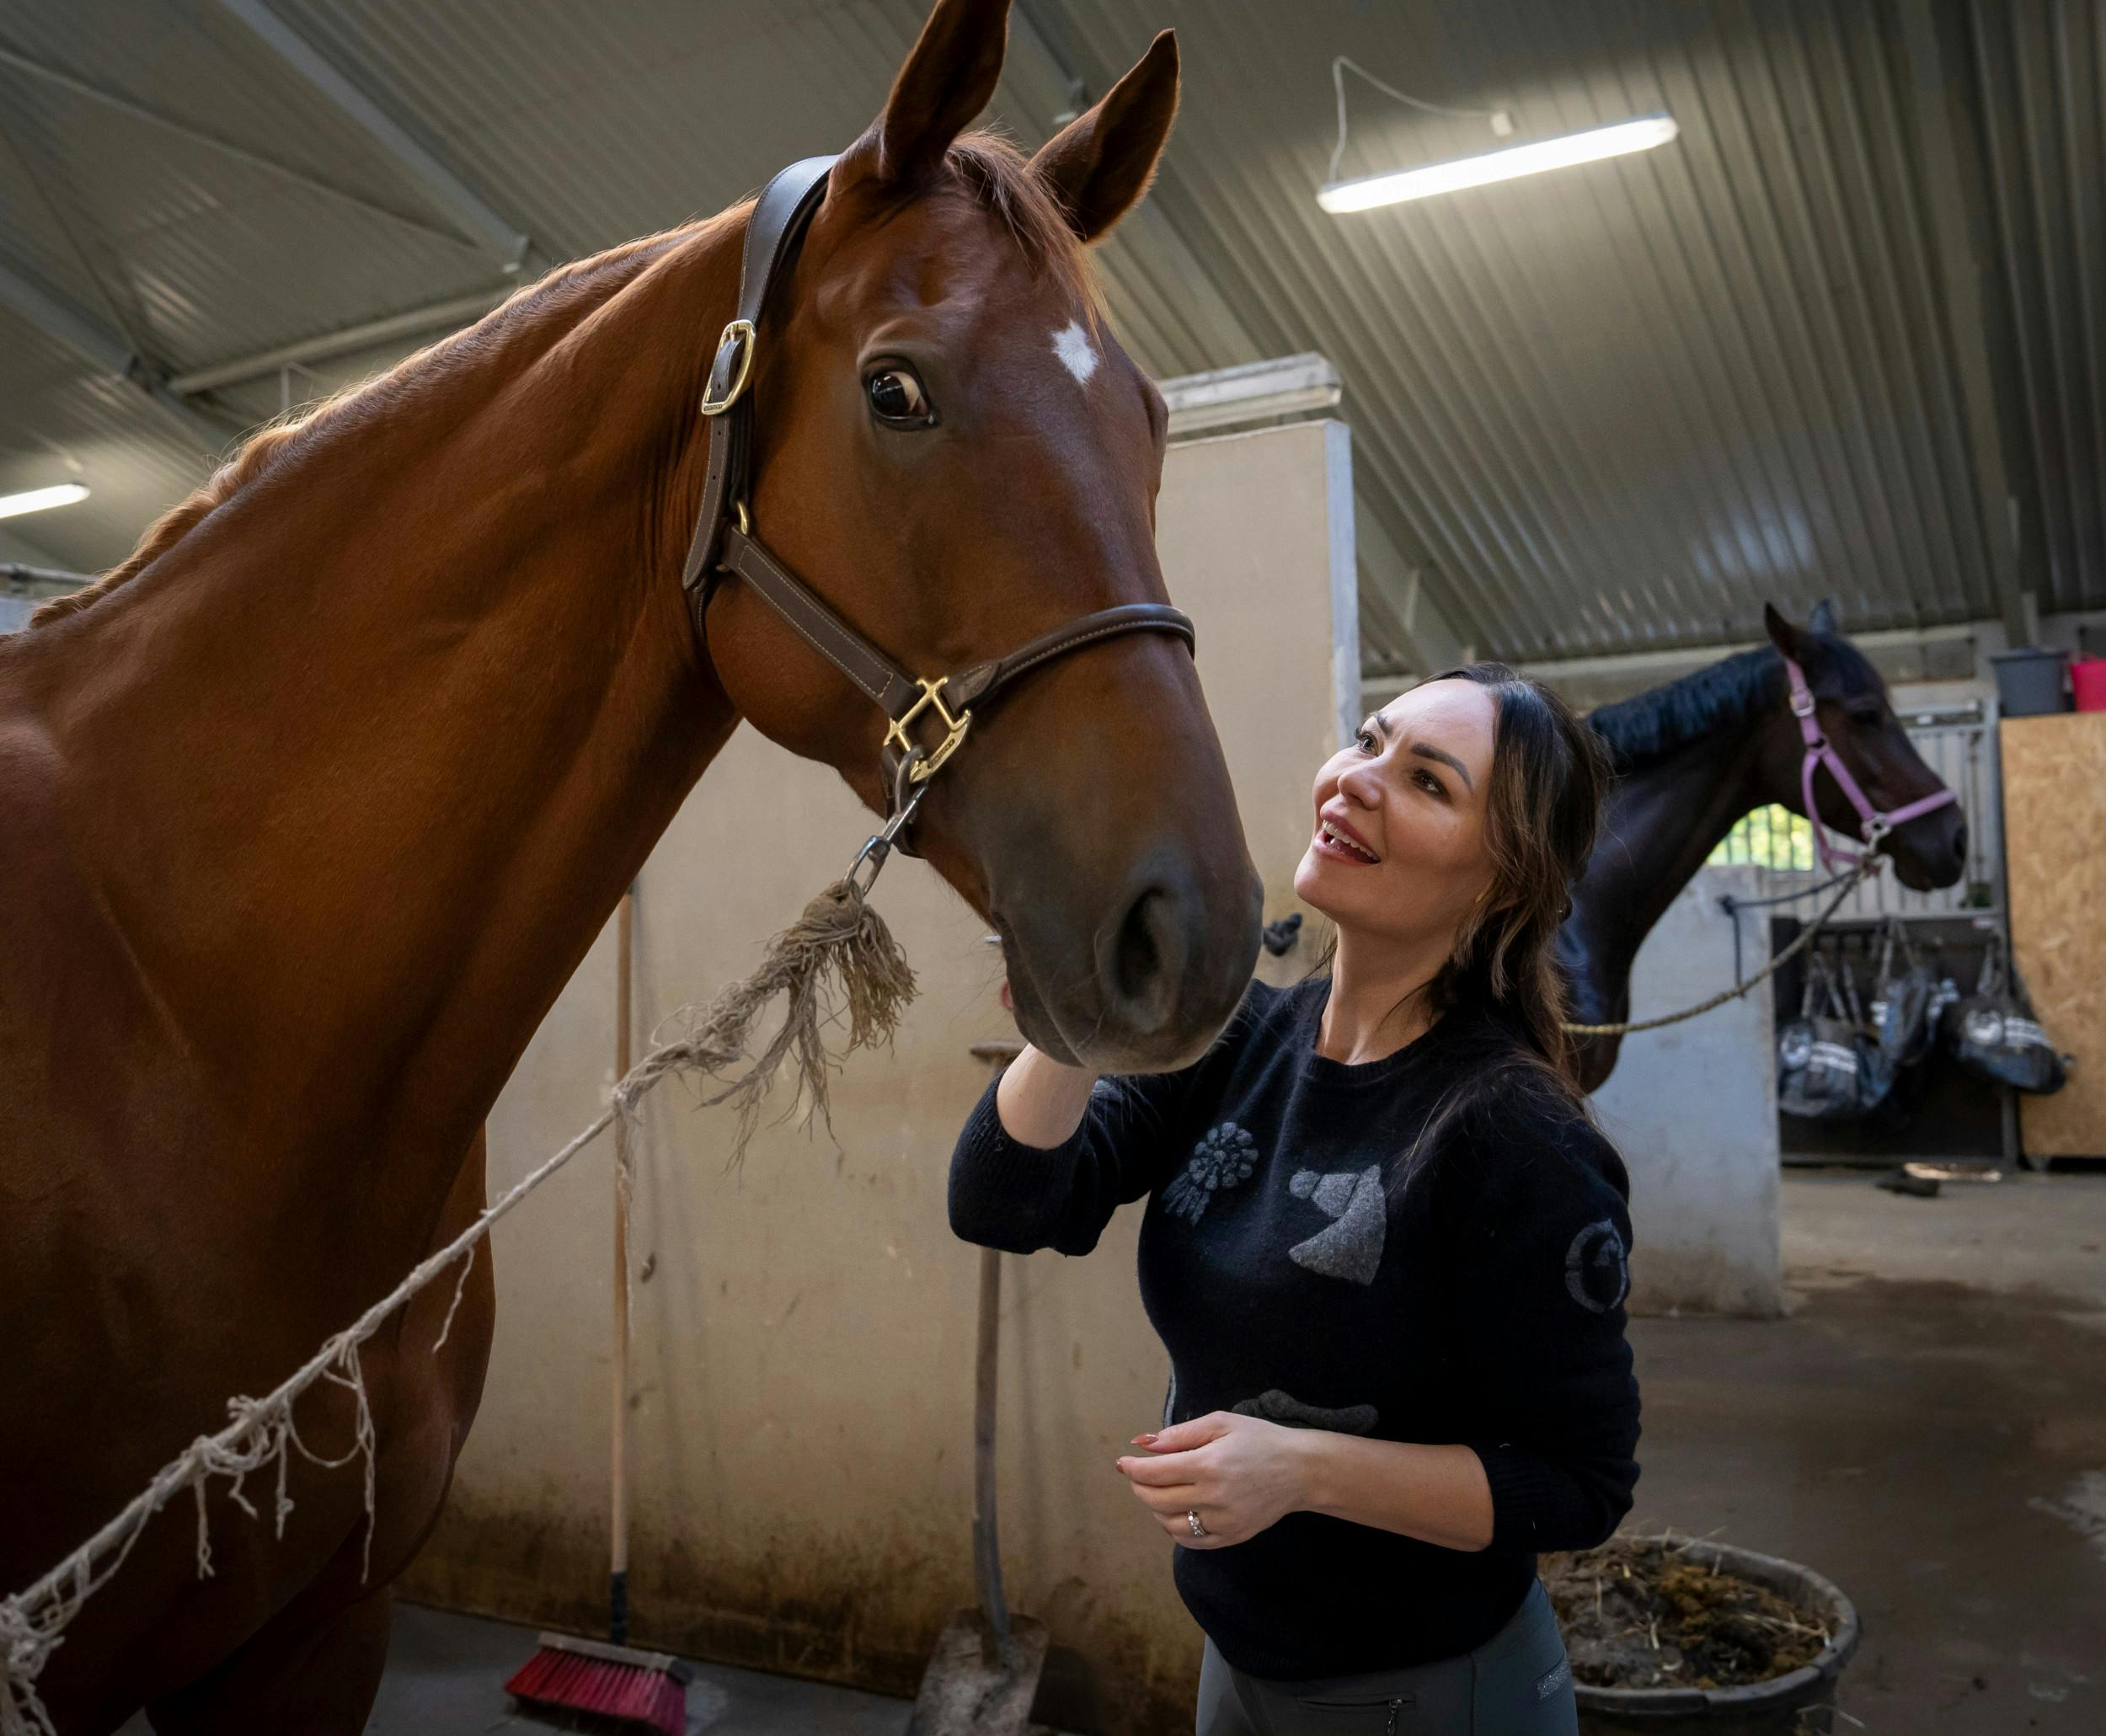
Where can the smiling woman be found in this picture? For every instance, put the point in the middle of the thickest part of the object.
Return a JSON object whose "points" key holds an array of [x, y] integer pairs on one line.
{"points": [[1386, 1249]]}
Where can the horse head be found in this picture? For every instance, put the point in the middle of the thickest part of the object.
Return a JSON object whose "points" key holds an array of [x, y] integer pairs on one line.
{"points": [[1852, 712], [953, 450]]}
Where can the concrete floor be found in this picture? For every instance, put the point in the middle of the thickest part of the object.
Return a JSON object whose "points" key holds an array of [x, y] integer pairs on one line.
{"points": [[1928, 1427], [446, 1675]]}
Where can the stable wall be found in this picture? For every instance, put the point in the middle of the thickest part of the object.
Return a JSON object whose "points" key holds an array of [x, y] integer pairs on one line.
{"points": [[802, 1392], [1693, 1107]]}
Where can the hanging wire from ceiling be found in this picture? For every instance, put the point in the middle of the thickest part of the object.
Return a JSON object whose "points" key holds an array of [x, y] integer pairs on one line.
{"points": [[1501, 122]]}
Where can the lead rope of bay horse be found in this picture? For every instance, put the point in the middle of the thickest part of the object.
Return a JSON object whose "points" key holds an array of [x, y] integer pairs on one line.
{"points": [[1866, 867], [838, 958]]}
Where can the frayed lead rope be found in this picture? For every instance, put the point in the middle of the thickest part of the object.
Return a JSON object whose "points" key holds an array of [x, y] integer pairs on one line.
{"points": [[838, 960]]}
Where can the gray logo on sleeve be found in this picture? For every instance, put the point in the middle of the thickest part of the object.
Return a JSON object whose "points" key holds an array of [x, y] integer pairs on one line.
{"points": [[1597, 1274]]}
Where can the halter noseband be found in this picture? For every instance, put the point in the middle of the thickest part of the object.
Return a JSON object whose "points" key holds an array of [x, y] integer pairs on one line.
{"points": [[724, 543], [1875, 822]]}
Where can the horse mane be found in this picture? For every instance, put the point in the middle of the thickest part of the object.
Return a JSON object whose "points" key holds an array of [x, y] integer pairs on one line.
{"points": [[1647, 728], [997, 175], [1000, 178]]}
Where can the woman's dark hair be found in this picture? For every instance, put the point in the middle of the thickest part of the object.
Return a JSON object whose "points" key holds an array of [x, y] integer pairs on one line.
{"points": [[1549, 774], [1542, 807]]}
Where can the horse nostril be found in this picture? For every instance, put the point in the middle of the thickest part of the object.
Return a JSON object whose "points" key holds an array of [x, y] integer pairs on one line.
{"points": [[1959, 840], [1137, 960], [1148, 960]]}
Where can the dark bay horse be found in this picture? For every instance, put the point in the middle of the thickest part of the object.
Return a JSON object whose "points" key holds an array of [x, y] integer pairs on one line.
{"points": [[309, 809], [1693, 757]]}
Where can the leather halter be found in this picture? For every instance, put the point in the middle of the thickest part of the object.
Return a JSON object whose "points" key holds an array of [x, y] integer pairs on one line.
{"points": [[1875, 822], [723, 542]]}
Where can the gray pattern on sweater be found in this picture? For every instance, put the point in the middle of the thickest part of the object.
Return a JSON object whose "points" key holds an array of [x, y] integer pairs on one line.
{"points": [[1352, 1248], [1277, 1407]]}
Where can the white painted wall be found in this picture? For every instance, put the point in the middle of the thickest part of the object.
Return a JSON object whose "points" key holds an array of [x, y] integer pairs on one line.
{"points": [[802, 1395], [1693, 1107]]}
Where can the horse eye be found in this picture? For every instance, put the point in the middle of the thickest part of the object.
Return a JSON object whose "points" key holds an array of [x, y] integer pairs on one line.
{"points": [[1867, 716], [897, 397]]}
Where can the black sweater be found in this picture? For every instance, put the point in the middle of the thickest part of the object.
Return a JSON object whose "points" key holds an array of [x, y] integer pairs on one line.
{"points": [[1299, 1268]]}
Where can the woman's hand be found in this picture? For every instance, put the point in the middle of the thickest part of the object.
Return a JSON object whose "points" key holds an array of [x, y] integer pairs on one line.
{"points": [[1239, 1474]]}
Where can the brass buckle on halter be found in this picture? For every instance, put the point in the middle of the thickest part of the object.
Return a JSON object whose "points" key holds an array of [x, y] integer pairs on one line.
{"points": [[956, 727], [740, 332]]}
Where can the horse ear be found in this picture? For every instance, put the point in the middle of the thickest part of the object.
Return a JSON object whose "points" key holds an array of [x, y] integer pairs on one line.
{"points": [[1783, 634], [1823, 619], [950, 77], [1100, 163]]}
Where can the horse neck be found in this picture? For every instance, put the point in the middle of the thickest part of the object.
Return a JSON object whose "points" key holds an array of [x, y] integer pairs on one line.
{"points": [[361, 764], [1659, 825]]}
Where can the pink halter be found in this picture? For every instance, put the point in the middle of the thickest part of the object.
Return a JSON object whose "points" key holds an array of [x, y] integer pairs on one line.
{"points": [[1874, 824]]}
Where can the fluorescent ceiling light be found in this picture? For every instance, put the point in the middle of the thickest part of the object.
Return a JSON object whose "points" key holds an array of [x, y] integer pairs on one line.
{"points": [[1368, 191], [36, 500]]}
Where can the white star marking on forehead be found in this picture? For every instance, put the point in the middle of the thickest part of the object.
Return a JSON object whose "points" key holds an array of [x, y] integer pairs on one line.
{"points": [[1073, 346]]}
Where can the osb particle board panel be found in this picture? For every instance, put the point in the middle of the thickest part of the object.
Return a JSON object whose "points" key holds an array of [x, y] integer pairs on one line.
{"points": [[2054, 828]]}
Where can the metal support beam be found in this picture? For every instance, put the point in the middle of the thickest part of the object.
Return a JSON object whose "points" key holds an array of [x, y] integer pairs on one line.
{"points": [[89, 338], [1951, 180], [184, 128], [42, 581], [1253, 392], [1431, 641], [341, 340], [466, 208], [23, 589], [1955, 651]]}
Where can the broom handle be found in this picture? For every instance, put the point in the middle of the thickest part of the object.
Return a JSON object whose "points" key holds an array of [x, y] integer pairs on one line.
{"points": [[619, 1504], [987, 1538], [986, 1544]]}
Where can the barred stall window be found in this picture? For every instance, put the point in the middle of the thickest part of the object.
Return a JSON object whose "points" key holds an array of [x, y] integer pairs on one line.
{"points": [[1772, 837]]}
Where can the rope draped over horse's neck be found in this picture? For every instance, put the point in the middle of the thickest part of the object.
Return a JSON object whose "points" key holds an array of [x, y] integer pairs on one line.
{"points": [[837, 961], [1863, 870]]}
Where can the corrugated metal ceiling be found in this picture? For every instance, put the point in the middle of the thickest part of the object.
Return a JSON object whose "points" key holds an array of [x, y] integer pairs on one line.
{"points": [[2043, 64], [1612, 408]]}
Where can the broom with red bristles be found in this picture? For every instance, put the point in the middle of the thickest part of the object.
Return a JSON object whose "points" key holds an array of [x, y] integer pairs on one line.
{"points": [[610, 1681]]}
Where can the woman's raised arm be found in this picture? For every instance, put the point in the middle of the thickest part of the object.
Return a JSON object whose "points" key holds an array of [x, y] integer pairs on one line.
{"points": [[1052, 1151], [1042, 1101]]}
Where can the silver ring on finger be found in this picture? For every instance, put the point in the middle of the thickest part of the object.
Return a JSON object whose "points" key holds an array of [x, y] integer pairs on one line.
{"points": [[1192, 1519]]}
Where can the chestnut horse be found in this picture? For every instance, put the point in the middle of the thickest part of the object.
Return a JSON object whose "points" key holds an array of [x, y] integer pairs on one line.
{"points": [[309, 809], [1695, 755]]}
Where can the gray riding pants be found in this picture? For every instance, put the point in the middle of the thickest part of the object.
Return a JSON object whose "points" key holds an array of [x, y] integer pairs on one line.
{"points": [[1517, 1683]]}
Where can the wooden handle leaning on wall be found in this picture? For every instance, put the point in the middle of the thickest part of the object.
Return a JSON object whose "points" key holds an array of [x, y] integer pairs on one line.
{"points": [[994, 1603], [618, 1501]]}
